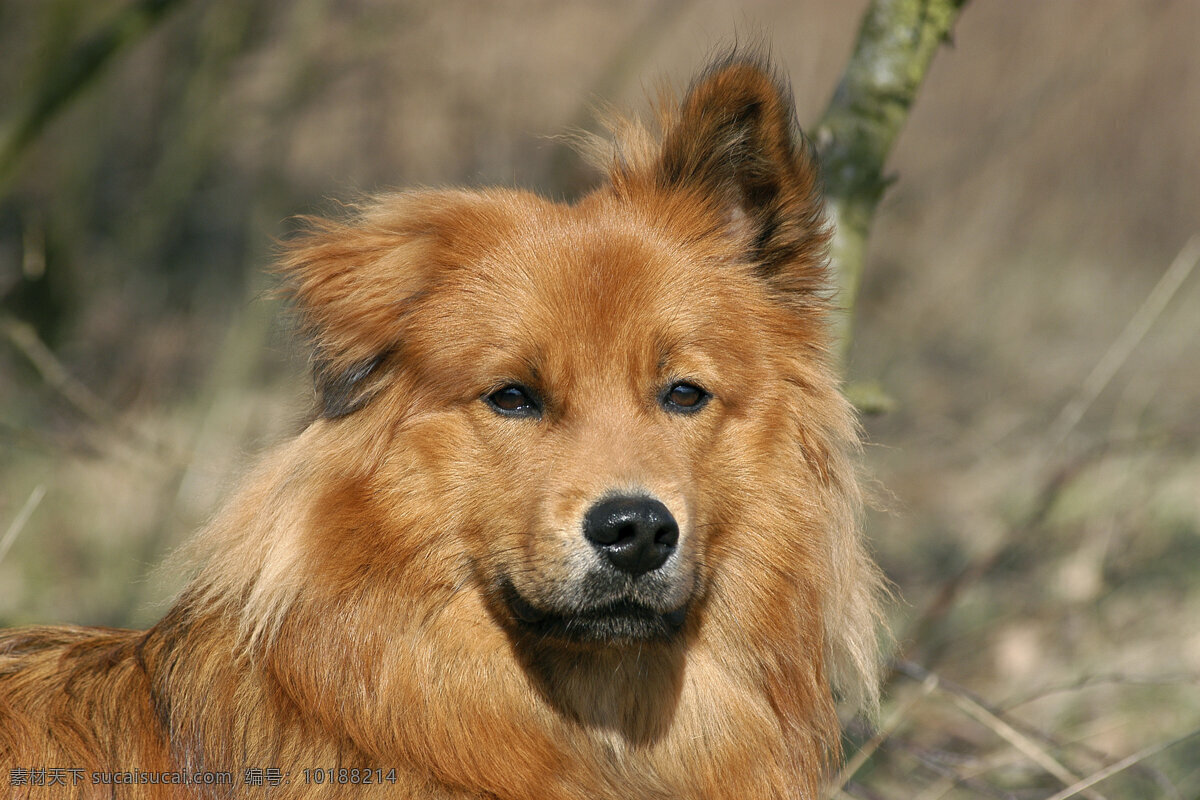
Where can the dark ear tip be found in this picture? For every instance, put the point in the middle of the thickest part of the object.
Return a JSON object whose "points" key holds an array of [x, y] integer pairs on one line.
{"points": [[747, 95], [734, 141], [747, 74], [740, 78]]}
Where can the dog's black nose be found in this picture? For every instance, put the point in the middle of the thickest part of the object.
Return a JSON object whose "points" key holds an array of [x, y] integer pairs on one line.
{"points": [[635, 534]]}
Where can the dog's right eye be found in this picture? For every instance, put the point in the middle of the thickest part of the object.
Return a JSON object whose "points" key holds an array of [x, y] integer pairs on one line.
{"points": [[514, 401]]}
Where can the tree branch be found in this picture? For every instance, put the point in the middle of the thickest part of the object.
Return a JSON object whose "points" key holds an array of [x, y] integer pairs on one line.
{"points": [[895, 46]]}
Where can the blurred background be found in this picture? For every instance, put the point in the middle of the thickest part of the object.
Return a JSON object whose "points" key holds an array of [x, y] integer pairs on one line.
{"points": [[1037, 480]]}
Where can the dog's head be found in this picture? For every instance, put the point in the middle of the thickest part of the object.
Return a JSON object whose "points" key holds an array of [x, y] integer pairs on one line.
{"points": [[613, 419]]}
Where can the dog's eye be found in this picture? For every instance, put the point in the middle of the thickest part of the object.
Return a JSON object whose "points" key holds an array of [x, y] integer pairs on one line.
{"points": [[683, 397], [514, 401]]}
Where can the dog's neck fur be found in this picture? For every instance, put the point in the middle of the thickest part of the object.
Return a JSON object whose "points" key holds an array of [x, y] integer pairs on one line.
{"points": [[656, 723]]}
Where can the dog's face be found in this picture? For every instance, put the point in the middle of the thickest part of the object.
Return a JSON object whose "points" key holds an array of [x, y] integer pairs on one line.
{"points": [[570, 390], [593, 367]]}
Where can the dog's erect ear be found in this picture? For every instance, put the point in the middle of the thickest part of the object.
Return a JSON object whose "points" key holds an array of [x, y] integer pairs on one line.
{"points": [[351, 281], [734, 140]]}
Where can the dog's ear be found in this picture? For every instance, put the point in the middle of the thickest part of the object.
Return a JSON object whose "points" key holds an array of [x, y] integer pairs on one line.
{"points": [[354, 281], [350, 282], [734, 140]]}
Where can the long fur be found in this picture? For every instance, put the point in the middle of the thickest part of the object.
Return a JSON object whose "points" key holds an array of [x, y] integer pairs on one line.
{"points": [[350, 607]]}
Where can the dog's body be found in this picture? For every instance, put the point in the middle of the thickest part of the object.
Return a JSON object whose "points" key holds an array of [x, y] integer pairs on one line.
{"points": [[577, 518]]}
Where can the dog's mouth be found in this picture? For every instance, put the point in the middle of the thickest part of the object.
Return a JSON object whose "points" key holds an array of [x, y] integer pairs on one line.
{"points": [[615, 622]]}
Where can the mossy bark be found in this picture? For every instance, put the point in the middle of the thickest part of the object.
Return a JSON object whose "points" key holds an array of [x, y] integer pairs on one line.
{"points": [[895, 47]]}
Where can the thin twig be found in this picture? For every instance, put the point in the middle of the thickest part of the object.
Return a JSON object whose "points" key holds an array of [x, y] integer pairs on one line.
{"points": [[1123, 346], [935, 762], [23, 337], [993, 719], [1089, 681], [963, 774], [18, 523], [854, 764], [1121, 766], [1015, 738]]}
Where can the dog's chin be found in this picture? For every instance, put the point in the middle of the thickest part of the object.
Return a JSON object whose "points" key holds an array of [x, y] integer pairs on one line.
{"points": [[611, 624]]}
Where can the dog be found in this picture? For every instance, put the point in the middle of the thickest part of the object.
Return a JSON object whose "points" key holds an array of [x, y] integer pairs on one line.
{"points": [[576, 515]]}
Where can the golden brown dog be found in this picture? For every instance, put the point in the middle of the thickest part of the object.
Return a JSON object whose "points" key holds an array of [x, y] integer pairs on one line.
{"points": [[577, 516]]}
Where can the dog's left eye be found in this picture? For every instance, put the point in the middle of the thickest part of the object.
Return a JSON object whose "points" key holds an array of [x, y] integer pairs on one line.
{"points": [[514, 401], [683, 397]]}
